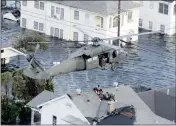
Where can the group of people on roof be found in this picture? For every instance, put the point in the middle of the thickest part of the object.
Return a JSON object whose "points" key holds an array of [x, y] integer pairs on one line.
{"points": [[102, 95]]}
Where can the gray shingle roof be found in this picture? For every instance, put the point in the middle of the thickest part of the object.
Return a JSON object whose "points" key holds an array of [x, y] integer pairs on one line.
{"points": [[100, 7], [124, 96], [171, 91], [43, 97]]}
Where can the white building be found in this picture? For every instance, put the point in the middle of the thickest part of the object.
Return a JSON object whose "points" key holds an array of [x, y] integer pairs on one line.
{"points": [[95, 18], [55, 109], [158, 16]]}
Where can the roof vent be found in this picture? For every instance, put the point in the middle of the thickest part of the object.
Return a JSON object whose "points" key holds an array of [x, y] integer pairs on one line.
{"points": [[167, 91], [2, 50], [116, 85], [78, 91]]}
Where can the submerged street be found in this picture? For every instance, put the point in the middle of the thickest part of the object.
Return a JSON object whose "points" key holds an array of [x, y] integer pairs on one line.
{"points": [[151, 63]]}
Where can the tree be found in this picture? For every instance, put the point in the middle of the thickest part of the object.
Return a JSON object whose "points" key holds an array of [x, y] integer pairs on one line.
{"points": [[10, 110], [22, 42], [25, 88]]}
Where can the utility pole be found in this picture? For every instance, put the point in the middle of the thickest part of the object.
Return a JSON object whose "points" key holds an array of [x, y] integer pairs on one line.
{"points": [[118, 33]]}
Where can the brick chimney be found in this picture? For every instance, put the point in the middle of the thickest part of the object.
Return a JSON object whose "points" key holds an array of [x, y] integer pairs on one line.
{"points": [[111, 106]]}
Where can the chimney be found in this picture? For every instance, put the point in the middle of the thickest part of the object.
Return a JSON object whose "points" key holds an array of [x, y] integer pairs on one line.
{"points": [[111, 106]]}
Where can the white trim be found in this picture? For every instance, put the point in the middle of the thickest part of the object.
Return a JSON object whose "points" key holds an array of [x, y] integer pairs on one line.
{"points": [[17, 51], [45, 103]]}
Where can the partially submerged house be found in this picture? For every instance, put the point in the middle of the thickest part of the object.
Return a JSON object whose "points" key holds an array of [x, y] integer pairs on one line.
{"points": [[72, 20], [158, 16], [6, 55], [13, 15], [88, 107]]}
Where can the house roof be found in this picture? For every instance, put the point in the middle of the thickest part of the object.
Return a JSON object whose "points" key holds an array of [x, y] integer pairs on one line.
{"points": [[73, 120], [10, 52], [100, 7], [43, 97], [124, 96], [165, 90]]}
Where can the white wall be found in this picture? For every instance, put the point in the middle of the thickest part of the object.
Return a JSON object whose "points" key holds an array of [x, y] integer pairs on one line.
{"points": [[150, 12], [44, 16], [59, 109]]}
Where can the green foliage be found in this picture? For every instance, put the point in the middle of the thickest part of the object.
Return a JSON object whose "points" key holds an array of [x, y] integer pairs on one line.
{"points": [[5, 77], [22, 42], [11, 109], [23, 88]]}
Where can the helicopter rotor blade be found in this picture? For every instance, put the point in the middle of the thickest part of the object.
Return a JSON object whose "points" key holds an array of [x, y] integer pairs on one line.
{"points": [[36, 49], [109, 45], [120, 37]]}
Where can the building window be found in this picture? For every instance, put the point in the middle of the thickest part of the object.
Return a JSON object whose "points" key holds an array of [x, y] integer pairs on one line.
{"points": [[174, 9], [52, 11], [35, 25], [122, 19], [129, 16], [42, 5], [150, 25], [54, 120], [86, 37], [76, 15], [110, 22], [24, 22], [41, 25], [51, 31], [24, 2], [162, 28], [61, 33], [163, 8], [57, 10], [62, 13], [115, 21], [75, 36], [36, 4], [140, 22], [99, 21], [87, 18], [56, 33]]}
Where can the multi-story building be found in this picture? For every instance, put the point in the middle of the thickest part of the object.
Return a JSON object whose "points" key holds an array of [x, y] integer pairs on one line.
{"points": [[158, 16], [95, 18]]}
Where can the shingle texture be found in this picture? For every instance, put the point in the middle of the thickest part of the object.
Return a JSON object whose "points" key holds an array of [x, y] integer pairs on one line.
{"points": [[100, 7], [43, 97]]}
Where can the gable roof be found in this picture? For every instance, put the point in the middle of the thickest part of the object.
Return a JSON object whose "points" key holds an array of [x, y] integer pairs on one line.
{"points": [[100, 7], [43, 97], [125, 96]]}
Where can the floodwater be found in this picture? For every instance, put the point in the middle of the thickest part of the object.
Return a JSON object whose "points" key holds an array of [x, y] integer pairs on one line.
{"points": [[151, 64]]}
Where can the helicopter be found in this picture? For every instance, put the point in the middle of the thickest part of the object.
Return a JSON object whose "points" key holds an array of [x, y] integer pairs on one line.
{"points": [[84, 58]]}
